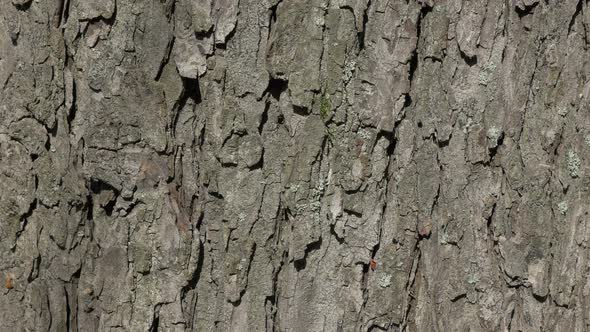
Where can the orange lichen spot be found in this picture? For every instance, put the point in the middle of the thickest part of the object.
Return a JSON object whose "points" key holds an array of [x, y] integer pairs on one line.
{"points": [[9, 283], [373, 264]]}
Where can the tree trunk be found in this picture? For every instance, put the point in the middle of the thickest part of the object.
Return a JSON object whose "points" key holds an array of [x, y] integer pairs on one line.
{"points": [[296, 165]]}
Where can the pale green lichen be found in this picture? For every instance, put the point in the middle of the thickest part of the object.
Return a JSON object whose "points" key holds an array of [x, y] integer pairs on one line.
{"points": [[493, 136], [330, 134], [587, 139], [294, 188], [562, 207], [349, 68], [325, 110], [486, 73], [241, 265], [468, 123], [300, 209], [573, 163], [562, 111], [472, 279], [325, 107], [364, 134], [384, 280], [443, 236], [314, 203]]}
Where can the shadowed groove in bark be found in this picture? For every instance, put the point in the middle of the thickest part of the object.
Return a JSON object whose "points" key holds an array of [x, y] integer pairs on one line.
{"points": [[528, 10], [579, 9], [361, 34]]}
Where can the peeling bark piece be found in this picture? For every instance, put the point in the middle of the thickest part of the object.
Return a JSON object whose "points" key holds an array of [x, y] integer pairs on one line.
{"points": [[31, 134], [96, 31], [295, 48], [224, 14], [251, 150], [246, 69], [16, 180], [190, 57], [469, 27], [153, 39], [201, 16], [21, 3], [359, 8], [191, 45], [91, 9]]}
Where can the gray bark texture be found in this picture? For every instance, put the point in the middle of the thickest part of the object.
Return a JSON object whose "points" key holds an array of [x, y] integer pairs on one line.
{"points": [[294, 165]]}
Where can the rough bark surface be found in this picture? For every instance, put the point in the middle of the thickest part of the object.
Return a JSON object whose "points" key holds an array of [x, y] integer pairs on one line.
{"points": [[294, 165]]}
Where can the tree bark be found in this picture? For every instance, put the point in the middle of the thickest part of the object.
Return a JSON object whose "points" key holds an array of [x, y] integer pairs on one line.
{"points": [[296, 165]]}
